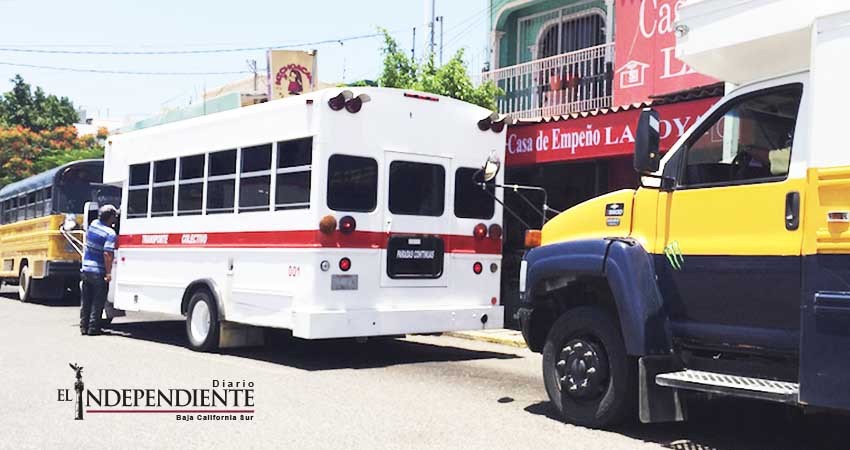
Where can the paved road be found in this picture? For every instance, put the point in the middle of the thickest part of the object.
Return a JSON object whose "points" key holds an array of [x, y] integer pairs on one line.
{"points": [[421, 392]]}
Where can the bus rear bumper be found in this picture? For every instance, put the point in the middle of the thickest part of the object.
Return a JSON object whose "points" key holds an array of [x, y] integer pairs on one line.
{"points": [[371, 322]]}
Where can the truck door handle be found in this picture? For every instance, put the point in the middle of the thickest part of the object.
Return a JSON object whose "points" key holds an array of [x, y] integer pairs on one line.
{"points": [[792, 211]]}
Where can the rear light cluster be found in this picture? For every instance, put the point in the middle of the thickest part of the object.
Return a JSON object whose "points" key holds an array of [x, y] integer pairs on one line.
{"points": [[347, 100], [328, 225], [481, 231]]}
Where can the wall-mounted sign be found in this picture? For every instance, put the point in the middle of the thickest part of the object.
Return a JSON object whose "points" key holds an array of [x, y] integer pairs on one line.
{"points": [[645, 61], [291, 72], [611, 134]]}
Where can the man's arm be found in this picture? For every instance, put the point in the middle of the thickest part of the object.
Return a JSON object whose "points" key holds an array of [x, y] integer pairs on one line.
{"points": [[108, 255]]}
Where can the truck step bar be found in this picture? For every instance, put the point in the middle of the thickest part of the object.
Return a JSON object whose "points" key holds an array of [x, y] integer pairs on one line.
{"points": [[731, 385]]}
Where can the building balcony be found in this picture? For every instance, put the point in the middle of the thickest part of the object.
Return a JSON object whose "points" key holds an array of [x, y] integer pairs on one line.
{"points": [[566, 83]]}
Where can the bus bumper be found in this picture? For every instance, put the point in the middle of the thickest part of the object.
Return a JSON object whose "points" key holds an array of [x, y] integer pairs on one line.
{"points": [[371, 322], [63, 269]]}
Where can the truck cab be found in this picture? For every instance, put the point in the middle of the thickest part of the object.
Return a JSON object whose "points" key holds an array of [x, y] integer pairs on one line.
{"points": [[728, 271]]}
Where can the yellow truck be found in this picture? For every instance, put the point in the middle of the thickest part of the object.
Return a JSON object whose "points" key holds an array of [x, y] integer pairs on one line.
{"points": [[728, 271]]}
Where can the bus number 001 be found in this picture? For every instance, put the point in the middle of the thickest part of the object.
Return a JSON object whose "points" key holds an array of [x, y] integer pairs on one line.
{"points": [[294, 271]]}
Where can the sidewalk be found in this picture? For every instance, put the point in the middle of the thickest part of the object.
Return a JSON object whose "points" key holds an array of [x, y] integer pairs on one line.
{"points": [[502, 336]]}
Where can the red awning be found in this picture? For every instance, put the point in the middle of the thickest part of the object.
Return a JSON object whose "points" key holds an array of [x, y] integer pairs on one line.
{"points": [[603, 133]]}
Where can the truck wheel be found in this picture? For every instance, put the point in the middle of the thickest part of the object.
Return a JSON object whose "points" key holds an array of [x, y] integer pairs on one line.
{"points": [[588, 375], [25, 285], [202, 321]]}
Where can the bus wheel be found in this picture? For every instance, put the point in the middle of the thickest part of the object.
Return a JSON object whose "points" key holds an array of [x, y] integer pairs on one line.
{"points": [[25, 285], [588, 375], [202, 324]]}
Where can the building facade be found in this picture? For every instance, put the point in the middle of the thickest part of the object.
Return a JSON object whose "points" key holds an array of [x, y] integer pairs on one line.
{"points": [[575, 74]]}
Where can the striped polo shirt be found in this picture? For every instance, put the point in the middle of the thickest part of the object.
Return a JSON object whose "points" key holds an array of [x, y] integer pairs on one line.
{"points": [[99, 238]]}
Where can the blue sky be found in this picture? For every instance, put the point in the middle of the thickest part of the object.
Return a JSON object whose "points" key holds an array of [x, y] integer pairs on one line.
{"points": [[95, 25]]}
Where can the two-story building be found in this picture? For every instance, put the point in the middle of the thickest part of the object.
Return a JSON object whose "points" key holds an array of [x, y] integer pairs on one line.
{"points": [[575, 75]]}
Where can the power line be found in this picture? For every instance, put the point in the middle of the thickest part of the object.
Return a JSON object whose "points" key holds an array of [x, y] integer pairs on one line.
{"points": [[117, 72], [188, 52]]}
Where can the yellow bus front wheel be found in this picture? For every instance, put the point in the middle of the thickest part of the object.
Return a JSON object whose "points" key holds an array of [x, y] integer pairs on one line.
{"points": [[25, 285]]}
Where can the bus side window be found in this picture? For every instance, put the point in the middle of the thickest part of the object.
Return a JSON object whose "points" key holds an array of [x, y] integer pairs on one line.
{"points": [[137, 196], [471, 201], [255, 178], [48, 201], [162, 194], [221, 182], [352, 183], [294, 166], [190, 189]]}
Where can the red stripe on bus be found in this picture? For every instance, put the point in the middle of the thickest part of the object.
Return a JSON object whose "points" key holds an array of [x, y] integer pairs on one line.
{"points": [[296, 239]]}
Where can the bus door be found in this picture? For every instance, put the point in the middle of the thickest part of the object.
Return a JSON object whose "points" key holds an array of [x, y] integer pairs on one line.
{"points": [[414, 211]]}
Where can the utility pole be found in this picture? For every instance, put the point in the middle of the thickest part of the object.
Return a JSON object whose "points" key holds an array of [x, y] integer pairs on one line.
{"points": [[442, 21], [252, 65], [431, 43], [413, 49]]}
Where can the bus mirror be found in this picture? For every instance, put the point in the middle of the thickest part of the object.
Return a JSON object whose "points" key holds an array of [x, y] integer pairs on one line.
{"points": [[491, 167], [70, 222], [647, 158]]}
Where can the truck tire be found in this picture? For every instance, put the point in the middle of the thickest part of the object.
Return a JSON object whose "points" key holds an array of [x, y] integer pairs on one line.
{"points": [[25, 285], [202, 322], [585, 358]]}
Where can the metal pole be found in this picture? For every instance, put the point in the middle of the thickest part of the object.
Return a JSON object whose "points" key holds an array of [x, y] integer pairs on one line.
{"points": [[442, 21], [413, 49], [431, 26]]}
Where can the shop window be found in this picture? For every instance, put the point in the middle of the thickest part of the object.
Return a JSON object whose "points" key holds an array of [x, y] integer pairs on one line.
{"points": [[471, 201], [352, 183], [294, 166], [417, 189]]}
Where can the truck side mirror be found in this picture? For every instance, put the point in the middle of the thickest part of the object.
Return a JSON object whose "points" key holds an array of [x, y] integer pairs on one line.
{"points": [[89, 214], [647, 157]]}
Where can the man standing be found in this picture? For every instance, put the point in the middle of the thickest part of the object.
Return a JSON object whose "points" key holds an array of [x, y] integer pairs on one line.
{"points": [[97, 269]]}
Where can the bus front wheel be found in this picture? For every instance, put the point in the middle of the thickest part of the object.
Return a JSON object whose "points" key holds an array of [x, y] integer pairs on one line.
{"points": [[202, 324], [25, 285]]}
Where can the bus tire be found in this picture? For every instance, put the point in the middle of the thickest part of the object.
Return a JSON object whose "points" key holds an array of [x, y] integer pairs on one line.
{"points": [[25, 285], [202, 321], [581, 339]]}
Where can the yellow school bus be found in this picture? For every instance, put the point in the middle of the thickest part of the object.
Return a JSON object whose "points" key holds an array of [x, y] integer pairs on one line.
{"points": [[34, 255]]}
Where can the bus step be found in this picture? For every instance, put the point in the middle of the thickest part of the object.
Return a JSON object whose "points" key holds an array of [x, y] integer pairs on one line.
{"points": [[731, 385]]}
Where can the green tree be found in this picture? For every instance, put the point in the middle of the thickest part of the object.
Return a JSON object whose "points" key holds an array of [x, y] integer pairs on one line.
{"points": [[34, 110], [451, 79]]}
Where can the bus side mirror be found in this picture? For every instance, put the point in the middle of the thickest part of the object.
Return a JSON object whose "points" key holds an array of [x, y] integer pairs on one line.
{"points": [[647, 157], [89, 214], [491, 167]]}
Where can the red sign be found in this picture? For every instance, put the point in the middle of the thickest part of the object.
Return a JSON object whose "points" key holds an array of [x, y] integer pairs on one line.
{"points": [[644, 60], [611, 134]]}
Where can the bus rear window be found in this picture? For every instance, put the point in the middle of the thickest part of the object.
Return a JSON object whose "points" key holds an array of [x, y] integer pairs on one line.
{"points": [[417, 189], [472, 202], [352, 183]]}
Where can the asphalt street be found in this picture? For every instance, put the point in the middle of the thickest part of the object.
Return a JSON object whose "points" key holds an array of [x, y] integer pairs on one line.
{"points": [[421, 392]]}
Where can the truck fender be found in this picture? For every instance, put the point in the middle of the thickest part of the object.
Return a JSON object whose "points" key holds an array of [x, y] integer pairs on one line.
{"points": [[630, 274]]}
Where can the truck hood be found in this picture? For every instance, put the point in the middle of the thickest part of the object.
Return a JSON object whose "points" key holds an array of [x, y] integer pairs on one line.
{"points": [[609, 215]]}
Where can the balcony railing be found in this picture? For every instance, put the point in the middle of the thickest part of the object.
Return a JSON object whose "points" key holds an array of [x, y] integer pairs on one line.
{"points": [[561, 84]]}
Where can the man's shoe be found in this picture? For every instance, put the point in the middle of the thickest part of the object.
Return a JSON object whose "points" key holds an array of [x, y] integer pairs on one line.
{"points": [[84, 331], [94, 332]]}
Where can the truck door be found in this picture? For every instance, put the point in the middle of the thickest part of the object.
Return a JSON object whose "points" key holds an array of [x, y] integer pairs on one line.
{"points": [[730, 270], [414, 220]]}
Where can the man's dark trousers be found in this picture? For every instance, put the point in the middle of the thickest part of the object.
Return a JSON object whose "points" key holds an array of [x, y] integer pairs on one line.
{"points": [[93, 295]]}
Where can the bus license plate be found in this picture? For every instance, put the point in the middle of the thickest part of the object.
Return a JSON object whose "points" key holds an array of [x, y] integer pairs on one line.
{"points": [[343, 282]]}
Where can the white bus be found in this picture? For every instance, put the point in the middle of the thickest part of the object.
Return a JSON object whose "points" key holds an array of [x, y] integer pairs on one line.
{"points": [[332, 214]]}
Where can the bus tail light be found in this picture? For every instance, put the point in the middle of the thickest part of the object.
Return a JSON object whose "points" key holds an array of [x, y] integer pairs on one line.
{"points": [[477, 268], [533, 238], [484, 124], [327, 225], [480, 231], [495, 231], [338, 102], [347, 225], [494, 301], [498, 126], [344, 264]]}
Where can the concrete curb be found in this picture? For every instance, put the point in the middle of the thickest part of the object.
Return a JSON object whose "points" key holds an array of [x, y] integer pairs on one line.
{"points": [[503, 337]]}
